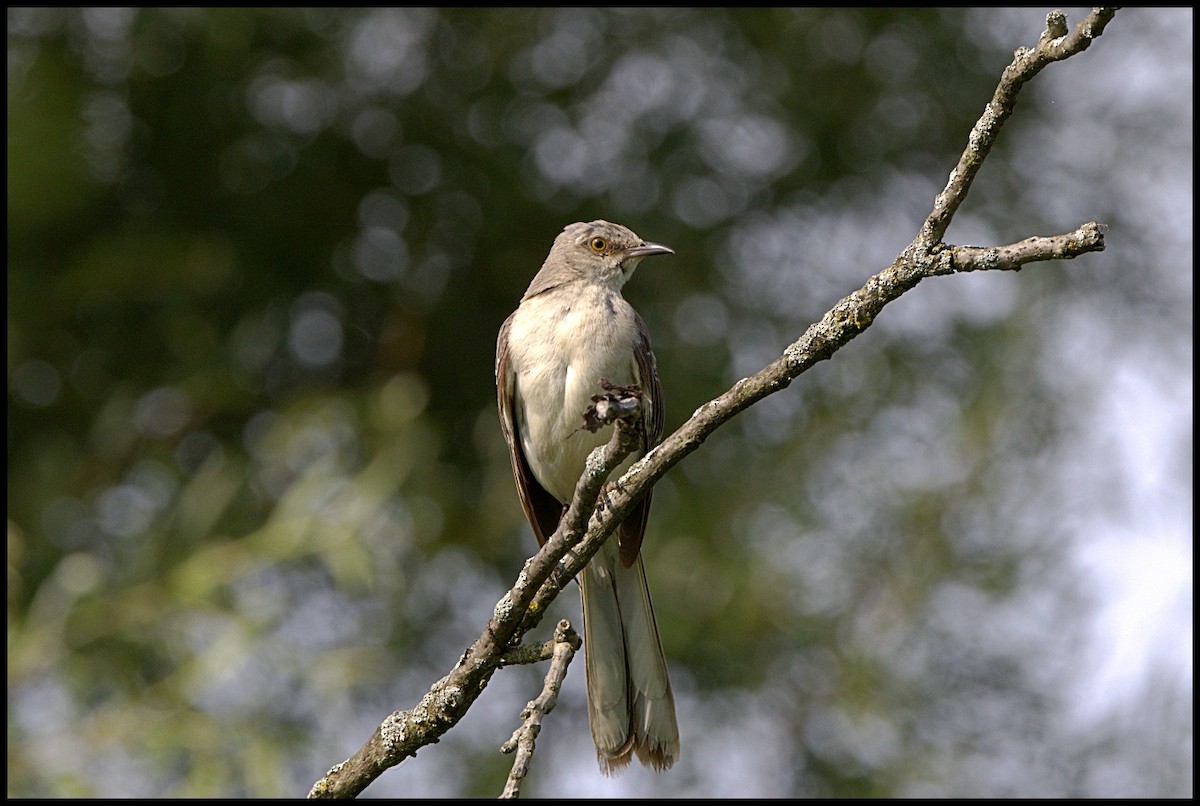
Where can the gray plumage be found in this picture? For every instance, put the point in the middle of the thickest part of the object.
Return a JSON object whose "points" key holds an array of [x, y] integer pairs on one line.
{"points": [[571, 329]]}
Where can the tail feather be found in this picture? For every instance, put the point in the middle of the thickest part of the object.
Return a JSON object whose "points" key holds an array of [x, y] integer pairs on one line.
{"points": [[630, 705]]}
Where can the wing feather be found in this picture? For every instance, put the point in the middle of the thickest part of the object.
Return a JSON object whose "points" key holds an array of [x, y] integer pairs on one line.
{"points": [[631, 532], [542, 509]]}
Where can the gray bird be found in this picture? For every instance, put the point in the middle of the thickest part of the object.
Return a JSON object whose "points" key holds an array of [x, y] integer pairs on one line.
{"points": [[571, 329]]}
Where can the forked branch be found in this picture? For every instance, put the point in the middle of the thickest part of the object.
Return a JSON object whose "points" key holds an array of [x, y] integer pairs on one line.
{"points": [[585, 527]]}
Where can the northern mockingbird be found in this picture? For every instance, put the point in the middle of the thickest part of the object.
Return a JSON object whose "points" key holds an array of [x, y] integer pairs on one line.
{"points": [[571, 329]]}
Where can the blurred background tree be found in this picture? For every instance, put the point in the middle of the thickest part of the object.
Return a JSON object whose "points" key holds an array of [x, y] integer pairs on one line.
{"points": [[258, 496]]}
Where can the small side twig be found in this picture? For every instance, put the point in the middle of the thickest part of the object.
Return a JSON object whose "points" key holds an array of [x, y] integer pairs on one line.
{"points": [[528, 653], [566, 642]]}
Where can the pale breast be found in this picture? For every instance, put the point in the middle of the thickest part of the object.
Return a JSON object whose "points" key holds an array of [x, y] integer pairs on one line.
{"points": [[560, 346]]}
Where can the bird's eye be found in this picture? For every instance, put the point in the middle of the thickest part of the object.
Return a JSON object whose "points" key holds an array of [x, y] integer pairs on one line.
{"points": [[598, 244]]}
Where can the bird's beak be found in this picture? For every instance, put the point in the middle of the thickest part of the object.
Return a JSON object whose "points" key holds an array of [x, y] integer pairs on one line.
{"points": [[647, 249]]}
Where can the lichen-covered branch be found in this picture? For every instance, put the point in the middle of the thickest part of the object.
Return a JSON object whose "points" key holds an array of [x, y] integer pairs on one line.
{"points": [[585, 527], [564, 646], [1054, 45], [1088, 238]]}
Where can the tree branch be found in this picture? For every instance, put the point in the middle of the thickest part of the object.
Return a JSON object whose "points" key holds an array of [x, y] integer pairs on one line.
{"points": [[563, 648], [447, 701], [1054, 45], [1088, 238], [584, 528]]}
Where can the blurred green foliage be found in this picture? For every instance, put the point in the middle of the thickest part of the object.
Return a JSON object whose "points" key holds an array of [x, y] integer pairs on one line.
{"points": [[257, 493]]}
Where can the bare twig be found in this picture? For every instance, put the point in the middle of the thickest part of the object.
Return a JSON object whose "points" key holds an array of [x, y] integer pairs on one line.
{"points": [[1054, 45], [583, 530], [566, 643], [1088, 238], [529, 653]]}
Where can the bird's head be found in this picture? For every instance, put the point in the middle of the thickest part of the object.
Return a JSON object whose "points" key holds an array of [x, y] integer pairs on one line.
{"points": [[600, 252]]}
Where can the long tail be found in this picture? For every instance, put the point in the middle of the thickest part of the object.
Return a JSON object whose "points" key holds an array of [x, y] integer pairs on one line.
{"points": [[630, 705]]}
